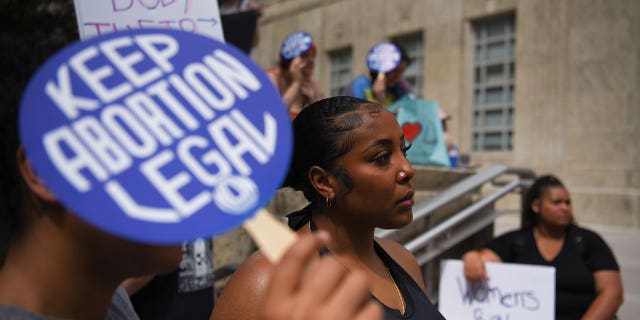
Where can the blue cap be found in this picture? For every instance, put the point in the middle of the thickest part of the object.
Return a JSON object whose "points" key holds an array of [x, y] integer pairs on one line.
{"points": [[295, 44], [383, 57]]}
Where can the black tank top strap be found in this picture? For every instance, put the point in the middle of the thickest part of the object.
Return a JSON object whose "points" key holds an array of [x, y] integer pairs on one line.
{"points": [[298, 219], [312, 227], [418, 305]]}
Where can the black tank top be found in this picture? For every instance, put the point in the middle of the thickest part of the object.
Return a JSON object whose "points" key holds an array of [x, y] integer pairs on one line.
{"points": [[418, 305]]}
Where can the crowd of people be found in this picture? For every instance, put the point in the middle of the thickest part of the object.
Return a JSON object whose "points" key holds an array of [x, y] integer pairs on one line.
{"points": [[385, 83], [349, 161]]}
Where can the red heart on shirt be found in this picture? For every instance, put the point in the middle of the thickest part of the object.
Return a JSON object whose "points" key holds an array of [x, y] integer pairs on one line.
{"points": [[411, 130]]}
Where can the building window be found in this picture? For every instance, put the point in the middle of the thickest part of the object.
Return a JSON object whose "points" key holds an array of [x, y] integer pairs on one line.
{"points": [[340, 71], [493, 84], [414, 46]]}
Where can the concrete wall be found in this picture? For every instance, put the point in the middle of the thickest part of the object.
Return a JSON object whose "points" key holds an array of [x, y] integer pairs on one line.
{"points": [[577, 101]]}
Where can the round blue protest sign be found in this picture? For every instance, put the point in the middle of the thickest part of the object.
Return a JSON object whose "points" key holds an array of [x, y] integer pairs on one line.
{"points": [[295, 44], [158, 136], [383, 57]]}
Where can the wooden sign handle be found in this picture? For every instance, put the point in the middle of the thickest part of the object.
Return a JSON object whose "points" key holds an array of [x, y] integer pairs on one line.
{"points": [[271, 235]]}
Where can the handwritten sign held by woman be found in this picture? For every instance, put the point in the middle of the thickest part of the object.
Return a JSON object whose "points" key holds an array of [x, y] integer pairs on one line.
{"points": [[513, 291]]}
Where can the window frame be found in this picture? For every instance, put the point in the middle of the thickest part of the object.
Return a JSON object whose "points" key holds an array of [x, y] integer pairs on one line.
{"points": [[414, 74], [337, 86], [492, 120]]}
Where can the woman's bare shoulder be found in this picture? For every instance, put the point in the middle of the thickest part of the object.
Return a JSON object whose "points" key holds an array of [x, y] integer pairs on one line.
{"points": [[245, 290], [396, 250]]}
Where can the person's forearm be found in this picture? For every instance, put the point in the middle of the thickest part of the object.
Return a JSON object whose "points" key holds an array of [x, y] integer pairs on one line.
{"points": [[604, 306], [474, 263], [318, 94], [291, 93]]}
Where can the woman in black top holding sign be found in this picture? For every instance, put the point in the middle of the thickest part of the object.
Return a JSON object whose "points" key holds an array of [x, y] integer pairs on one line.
{"points": [[588, 283], [349, 161]]}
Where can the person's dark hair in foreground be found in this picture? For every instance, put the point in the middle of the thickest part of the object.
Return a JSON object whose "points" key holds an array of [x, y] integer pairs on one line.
{"points": [[588, 282], [55, 265], [23, 47]]}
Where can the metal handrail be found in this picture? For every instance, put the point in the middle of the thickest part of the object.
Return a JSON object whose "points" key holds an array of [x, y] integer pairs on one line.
{"points": [[423, 239], [428, 207]]}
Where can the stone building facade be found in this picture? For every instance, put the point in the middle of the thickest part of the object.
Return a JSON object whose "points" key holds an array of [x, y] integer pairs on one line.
{"points": [[551, 85]]}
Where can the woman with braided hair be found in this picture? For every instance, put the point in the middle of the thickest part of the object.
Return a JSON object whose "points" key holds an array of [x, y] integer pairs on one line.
{"points": [[349, 161]]}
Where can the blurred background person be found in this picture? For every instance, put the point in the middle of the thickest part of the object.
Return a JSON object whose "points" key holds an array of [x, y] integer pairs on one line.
{"points": [[235, 6], [383, 88], [240, 23], [293, 77], [588, 282]]}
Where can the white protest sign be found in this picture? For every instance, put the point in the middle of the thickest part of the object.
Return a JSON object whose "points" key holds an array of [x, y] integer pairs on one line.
{"points": [[513, 292], [98, 17]]}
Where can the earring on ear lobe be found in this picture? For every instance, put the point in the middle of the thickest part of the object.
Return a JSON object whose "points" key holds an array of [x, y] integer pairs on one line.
{"points": [[328, 202]]}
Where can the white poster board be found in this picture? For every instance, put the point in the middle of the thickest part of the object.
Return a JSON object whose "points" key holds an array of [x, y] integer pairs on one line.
{"points": [[96, 17], [513, 291]]}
